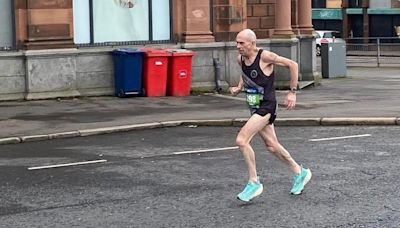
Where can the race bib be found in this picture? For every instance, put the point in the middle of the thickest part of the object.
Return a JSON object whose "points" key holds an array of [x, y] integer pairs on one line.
{"points": [[253, 97]]}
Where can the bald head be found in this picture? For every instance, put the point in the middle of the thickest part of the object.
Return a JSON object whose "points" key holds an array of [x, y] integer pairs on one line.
{"points": [[248, 35], [246, 43]]}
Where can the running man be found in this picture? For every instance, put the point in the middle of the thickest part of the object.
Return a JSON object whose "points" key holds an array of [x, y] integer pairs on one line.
{"points": [[258, 82]]}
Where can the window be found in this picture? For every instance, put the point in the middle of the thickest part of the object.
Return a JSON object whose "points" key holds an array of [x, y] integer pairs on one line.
{"points": [[161, 19], [102, 22], [120, 20], [81, 11], [331, 34], [355, 3], [6, 27]]}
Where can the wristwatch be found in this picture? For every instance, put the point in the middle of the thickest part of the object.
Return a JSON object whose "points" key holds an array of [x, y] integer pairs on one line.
{"points": [[293, 90]]}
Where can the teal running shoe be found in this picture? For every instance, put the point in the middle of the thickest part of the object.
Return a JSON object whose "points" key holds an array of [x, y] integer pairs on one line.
{"points": [[299, 181], [251, 190]]}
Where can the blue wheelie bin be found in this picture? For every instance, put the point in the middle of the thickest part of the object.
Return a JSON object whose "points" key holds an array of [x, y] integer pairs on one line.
{"points": [[128, 64]]}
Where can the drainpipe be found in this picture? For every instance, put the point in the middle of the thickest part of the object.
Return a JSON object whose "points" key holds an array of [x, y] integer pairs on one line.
{"points": [[217, 74]]}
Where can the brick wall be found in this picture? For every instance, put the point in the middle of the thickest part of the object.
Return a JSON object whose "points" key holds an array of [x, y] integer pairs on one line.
{"points": [[395, 3], [43, 24], [261, 17], [229, 17]]}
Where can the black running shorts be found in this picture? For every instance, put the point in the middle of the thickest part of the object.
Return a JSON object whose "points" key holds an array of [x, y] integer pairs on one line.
{"points": [[266, 107]]}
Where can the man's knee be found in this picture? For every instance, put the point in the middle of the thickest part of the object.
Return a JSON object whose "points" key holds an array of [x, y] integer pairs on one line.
{"points": [[241, 141]]}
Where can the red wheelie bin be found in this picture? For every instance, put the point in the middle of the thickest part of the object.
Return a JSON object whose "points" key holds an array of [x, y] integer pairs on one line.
{"points": [[179, 72], [155, 71]]}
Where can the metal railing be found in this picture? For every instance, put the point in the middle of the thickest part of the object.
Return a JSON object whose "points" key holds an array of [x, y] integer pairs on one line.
{"points": [[105, 44], [124, 43], [6, 48], [383, 51]]}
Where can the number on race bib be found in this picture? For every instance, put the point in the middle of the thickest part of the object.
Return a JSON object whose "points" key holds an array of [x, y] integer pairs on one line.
{"points": [[253, 99]]}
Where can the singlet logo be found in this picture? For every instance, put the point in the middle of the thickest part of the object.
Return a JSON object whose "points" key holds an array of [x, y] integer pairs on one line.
{"points": [[253, 74]]}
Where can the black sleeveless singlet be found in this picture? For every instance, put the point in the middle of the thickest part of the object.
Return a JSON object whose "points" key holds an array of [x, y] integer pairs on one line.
{"points": [[267, 103]]}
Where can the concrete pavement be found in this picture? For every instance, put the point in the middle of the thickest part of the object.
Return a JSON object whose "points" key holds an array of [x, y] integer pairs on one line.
{"points": [[367, 95]]}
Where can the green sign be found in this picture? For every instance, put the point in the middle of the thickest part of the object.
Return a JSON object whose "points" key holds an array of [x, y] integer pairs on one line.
{"points": [[390, 11], [354, 11], [327, 14]]}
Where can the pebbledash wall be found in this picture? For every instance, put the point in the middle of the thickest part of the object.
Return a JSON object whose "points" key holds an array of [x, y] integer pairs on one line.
{"points": [[71, 72]]}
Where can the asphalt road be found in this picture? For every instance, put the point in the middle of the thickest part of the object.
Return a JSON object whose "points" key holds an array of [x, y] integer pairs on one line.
{"points": [[147, 181]]}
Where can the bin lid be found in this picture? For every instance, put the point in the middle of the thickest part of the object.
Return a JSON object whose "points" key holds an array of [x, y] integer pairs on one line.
{"points": [[181, 52], [156, 52], [122, 51]]}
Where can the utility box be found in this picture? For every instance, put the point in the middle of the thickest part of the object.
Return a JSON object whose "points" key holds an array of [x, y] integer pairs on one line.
{"points": [[333, 59]]}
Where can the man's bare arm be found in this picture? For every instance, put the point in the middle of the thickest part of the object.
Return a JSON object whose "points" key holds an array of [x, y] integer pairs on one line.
{"points": [[270, 57]]}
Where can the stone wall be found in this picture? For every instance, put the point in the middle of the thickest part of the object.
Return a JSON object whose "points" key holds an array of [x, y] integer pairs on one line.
{"points": [[53, 73], [12, 76], [44, 74]]}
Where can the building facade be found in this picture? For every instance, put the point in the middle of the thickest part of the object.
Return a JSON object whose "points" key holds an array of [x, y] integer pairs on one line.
{"points": [[357, 18], [62, 48]]}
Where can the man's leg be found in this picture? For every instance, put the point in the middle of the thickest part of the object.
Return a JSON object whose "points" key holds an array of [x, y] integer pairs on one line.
{"points": [[302, 175], [253, 125], [271, 141]]}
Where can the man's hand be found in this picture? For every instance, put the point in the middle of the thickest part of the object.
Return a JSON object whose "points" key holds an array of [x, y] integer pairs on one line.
{"points": [[290, 100], [234, 90]]}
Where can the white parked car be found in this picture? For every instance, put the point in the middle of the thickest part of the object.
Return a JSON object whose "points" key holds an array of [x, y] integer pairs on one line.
{"points": [[324, 36]]}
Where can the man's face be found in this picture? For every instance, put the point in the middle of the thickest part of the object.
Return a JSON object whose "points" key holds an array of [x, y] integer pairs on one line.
{"points": [[243, 45]]}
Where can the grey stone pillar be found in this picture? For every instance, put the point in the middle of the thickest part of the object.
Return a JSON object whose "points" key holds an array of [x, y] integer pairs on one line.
{"points": [[50, 74], [307, 56], [307, 62], [287, 48], [12, 76], [233, 71]]}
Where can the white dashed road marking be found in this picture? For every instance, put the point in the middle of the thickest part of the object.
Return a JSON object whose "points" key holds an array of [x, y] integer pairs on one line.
{"points": [[341, 137], [67, 164], [206, 150]]}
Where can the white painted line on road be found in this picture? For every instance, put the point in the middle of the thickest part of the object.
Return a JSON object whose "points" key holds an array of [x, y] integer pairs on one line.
{"points": [[342, 137], [67, 164], [205, 150]]}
